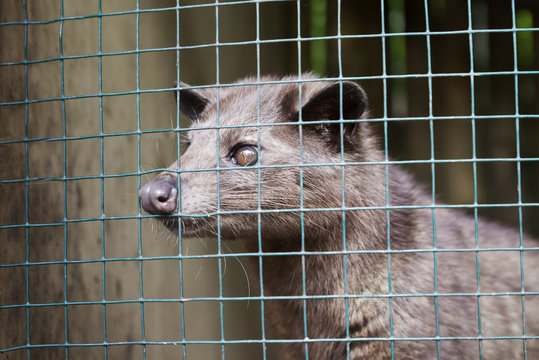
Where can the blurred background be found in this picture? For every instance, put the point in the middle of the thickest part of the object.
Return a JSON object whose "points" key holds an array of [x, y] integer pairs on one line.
{"points": [[86, 107]]}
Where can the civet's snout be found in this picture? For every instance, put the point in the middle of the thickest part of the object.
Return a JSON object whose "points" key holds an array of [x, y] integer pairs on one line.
{"points": [[160, 196]]}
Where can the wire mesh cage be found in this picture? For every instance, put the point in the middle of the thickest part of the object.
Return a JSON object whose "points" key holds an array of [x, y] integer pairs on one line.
{"points": [[89, 117]]}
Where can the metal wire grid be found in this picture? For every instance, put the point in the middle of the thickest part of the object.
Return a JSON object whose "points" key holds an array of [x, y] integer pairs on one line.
{"points": [[385, 120]]}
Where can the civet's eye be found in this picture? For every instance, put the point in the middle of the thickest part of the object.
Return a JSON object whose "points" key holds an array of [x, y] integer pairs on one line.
{"points": [[245, 155], [184, 144]]}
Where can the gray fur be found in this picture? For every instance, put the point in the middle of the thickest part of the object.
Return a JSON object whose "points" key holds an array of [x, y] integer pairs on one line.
{"points": [[366, 229]]}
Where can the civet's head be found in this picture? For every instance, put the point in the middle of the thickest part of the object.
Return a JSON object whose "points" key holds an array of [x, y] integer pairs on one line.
{"points": [[251, 150]]}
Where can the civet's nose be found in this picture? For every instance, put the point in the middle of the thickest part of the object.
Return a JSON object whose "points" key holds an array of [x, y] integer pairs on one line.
{"points": [[160, 196]]}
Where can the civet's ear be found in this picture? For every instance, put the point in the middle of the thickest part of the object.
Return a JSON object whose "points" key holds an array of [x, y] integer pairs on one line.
{"points": [[192, 101], [326, 106]]}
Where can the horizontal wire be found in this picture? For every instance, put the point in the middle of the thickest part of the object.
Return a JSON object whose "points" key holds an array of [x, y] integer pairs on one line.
{"points": [[134, 12], [276, 211], [247, 83], [274, 297], [266, 41], [272, 341], [303, 165], [271, 254]]}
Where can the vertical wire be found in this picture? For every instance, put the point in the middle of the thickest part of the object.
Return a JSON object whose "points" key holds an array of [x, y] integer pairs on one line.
{"points": [[218, 165], [302, 213], [343, 182], [433, 178], [519, 182], [386, 159], [64, 173], [178, 153], [474, 165], [27, 182], [259, 192], [103, 248], [140, 255]]}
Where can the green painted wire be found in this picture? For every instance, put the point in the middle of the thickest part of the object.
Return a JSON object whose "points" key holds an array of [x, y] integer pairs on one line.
{"points": [[292, 253], [64, 182], [26, 184], [270, 341], [259, 190], [433, 175], [519, 176], [217, 171], [386, 157], [302, 297], [139, 245], [474, 168], [320, 39], [102, 180], [343, 195], [301, 198], [178, 156]]}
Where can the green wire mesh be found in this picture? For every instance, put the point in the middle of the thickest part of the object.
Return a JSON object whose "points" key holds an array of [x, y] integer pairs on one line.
{"points": [[89, 312]]}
